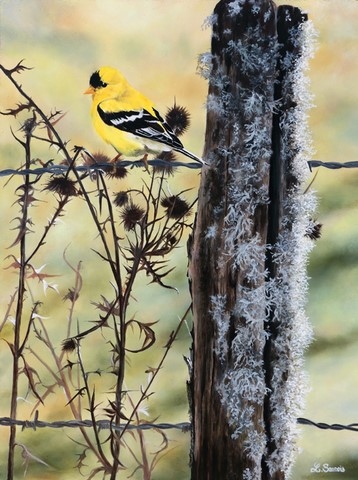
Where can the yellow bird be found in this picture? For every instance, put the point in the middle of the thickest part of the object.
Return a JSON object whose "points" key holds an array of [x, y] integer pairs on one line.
{"points": [[127, 120]]}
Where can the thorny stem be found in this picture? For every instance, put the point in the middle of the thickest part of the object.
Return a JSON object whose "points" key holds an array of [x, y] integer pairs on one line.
{"points": [[101, 455], [117, 273], [76, 290], [121, 333], [51, 223], [15, 348]]}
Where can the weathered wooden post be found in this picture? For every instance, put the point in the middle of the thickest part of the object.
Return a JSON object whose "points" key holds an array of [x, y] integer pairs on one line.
{"points": [[247, 351]]}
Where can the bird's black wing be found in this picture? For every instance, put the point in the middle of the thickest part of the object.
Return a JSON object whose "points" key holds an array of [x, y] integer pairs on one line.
{"points": [[143, 124]]}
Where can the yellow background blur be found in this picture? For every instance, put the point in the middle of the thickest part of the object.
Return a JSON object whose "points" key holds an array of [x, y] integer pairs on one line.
{"points": [[156, 44]]}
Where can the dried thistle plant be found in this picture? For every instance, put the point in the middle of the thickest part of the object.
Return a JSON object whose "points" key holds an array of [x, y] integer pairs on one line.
{"points": [[137, 228]]}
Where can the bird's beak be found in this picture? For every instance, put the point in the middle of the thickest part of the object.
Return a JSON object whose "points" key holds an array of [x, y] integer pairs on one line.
{"points": [[89, 91]]}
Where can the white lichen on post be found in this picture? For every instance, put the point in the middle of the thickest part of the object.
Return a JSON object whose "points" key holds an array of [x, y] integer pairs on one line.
{"points": [[289, 288]]}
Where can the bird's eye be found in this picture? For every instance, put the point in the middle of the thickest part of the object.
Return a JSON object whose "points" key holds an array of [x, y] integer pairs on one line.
{"points": [[96, 82]]}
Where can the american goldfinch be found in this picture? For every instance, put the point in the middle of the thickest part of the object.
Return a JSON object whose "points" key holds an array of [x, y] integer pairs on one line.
{"points": [[127, 120]]}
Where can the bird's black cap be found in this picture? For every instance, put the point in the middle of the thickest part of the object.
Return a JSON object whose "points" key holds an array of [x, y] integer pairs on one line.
{"points": [[96, 81]]}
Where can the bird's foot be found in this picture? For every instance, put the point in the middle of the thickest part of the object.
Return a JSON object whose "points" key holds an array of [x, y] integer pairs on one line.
{"points": [[145, 161], [117, 158]]}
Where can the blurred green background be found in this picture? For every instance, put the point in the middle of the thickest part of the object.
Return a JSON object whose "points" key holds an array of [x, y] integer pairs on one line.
{"points": [[156, 44]]}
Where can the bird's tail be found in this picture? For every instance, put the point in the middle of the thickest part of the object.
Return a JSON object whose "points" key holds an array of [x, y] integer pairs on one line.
{"points": [[191, 155]]}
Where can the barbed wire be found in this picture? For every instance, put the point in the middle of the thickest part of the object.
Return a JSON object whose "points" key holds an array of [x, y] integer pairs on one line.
{"points": [[332, 165], [100, 424], [353, 427], [55, 169], [183, 426]]}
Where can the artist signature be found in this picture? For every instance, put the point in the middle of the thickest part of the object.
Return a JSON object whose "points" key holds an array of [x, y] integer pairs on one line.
{"points": [[327, 468]]}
